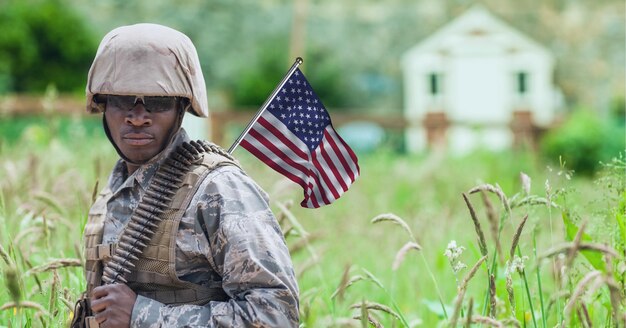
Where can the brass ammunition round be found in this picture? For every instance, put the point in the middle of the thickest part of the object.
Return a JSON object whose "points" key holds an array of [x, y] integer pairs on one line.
{"points": [[147, 215], [149, 209], [142, 229], [154, 202], [191, 148], [169, 177], [172, 170], [176, 164]]}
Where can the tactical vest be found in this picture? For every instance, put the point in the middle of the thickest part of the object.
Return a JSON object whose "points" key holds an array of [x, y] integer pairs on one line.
{"points": [[154, 275]]}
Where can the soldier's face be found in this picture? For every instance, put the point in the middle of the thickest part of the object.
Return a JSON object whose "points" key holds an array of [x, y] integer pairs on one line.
{"points": [[139, 131]]}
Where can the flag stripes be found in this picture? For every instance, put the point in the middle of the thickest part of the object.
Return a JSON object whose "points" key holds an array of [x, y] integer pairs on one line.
{"points": [[295, 137], [324, 174]]}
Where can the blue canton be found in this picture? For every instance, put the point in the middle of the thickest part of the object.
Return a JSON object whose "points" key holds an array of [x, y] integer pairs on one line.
{"points": [[299, 108]]}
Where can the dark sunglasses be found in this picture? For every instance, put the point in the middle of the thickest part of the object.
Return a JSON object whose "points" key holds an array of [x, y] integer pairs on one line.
{"points": [[153, 104]]}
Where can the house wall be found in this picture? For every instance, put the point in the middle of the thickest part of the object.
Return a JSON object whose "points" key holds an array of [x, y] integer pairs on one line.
{"points": [[479, 91]]}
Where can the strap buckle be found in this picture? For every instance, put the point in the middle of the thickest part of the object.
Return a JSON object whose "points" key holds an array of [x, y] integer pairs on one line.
{"points": [[105, 251]]}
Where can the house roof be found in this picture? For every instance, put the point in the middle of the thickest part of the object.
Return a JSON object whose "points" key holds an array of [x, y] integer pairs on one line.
{"points": [[476, 28]]}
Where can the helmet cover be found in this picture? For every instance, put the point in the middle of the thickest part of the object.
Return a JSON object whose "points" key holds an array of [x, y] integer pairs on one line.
{"points": [[149, 60]]}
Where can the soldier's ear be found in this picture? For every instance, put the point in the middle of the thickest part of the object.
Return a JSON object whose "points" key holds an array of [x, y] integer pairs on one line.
{"points": [[185, 103], [100, 101]]}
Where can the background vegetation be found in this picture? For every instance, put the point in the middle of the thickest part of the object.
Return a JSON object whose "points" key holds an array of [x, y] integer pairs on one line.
{"points": [[567, 265], [348, 266], [353, 46]]}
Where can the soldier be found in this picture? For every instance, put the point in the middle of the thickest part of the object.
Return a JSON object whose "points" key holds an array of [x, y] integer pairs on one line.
{"points": [[213, 253]]}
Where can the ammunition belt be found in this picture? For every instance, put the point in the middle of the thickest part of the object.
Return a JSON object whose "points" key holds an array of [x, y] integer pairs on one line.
{"points": [[156, 199]]}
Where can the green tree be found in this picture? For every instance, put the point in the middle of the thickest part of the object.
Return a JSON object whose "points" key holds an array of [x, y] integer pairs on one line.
{"points": [[43, 42], [584, 140]]}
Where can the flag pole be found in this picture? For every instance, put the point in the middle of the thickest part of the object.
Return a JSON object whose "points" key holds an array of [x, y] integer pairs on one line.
{"points": [[265, 104]]}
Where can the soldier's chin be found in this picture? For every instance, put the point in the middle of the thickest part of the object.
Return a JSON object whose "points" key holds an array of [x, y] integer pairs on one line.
{"points": [[138, 159], [142, 157]]}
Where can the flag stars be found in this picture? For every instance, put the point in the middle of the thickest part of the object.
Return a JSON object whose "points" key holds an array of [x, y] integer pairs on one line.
{"points": [[297, 106]]}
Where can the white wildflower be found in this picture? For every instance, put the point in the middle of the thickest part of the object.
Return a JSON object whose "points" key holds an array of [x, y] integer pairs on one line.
{"points": [[453, 252], [517, 265], [458, 267]]}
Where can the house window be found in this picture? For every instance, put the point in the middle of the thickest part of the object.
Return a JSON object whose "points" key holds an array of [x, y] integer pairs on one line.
{"points": [[434, 82], [522, 83]]}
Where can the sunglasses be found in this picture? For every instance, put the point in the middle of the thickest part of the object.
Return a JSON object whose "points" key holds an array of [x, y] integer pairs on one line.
{"points": [[153, 104]]}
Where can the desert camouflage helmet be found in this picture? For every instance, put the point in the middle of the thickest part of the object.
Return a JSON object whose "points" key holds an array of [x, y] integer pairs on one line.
{"points": [[148, 60]]}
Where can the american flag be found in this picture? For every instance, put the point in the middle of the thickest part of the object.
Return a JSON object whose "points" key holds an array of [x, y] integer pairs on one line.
{"points": [[295, 137]]}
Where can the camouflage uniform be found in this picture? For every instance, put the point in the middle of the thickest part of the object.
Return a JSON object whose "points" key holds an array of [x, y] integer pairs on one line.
{"points": [[228, 236]]}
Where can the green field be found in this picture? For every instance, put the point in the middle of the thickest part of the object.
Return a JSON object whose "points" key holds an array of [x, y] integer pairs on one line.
{"points": [[571, 245]]}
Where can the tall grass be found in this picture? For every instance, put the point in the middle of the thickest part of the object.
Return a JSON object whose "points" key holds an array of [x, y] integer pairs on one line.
{"points": [[546, 250]]}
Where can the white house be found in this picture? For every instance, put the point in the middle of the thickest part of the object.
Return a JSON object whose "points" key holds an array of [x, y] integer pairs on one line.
{"points": [[476, 83]]}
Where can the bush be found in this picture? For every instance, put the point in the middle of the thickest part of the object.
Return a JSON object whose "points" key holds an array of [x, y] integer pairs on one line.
{"points": [[584, 141], [43, 42]]}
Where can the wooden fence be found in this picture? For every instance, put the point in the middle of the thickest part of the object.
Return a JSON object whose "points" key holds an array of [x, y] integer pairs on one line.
{"points": [[522, 126], [220, 119]]}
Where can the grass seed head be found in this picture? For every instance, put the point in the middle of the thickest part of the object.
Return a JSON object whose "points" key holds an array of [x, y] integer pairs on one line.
{"points": [[517, 235], [493, 189], [525, 180], [5, 256], [462, 288], [402, 254], [394, 219], [13, 283], [479, 231], [510, 291]]}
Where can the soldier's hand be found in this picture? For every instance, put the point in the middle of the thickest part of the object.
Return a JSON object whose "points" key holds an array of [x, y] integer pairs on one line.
{"points": [[113, 305]]}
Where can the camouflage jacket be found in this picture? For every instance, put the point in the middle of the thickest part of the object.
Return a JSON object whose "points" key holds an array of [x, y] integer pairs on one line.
{"points": [[228, 234]]}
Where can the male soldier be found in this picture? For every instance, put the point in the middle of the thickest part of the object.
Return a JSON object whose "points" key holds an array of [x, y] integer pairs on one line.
{"points": [[218, 258]]}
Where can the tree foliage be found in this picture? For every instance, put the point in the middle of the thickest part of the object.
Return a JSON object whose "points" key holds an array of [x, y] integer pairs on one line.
{"points": [[584, 141], [43, 43]]}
